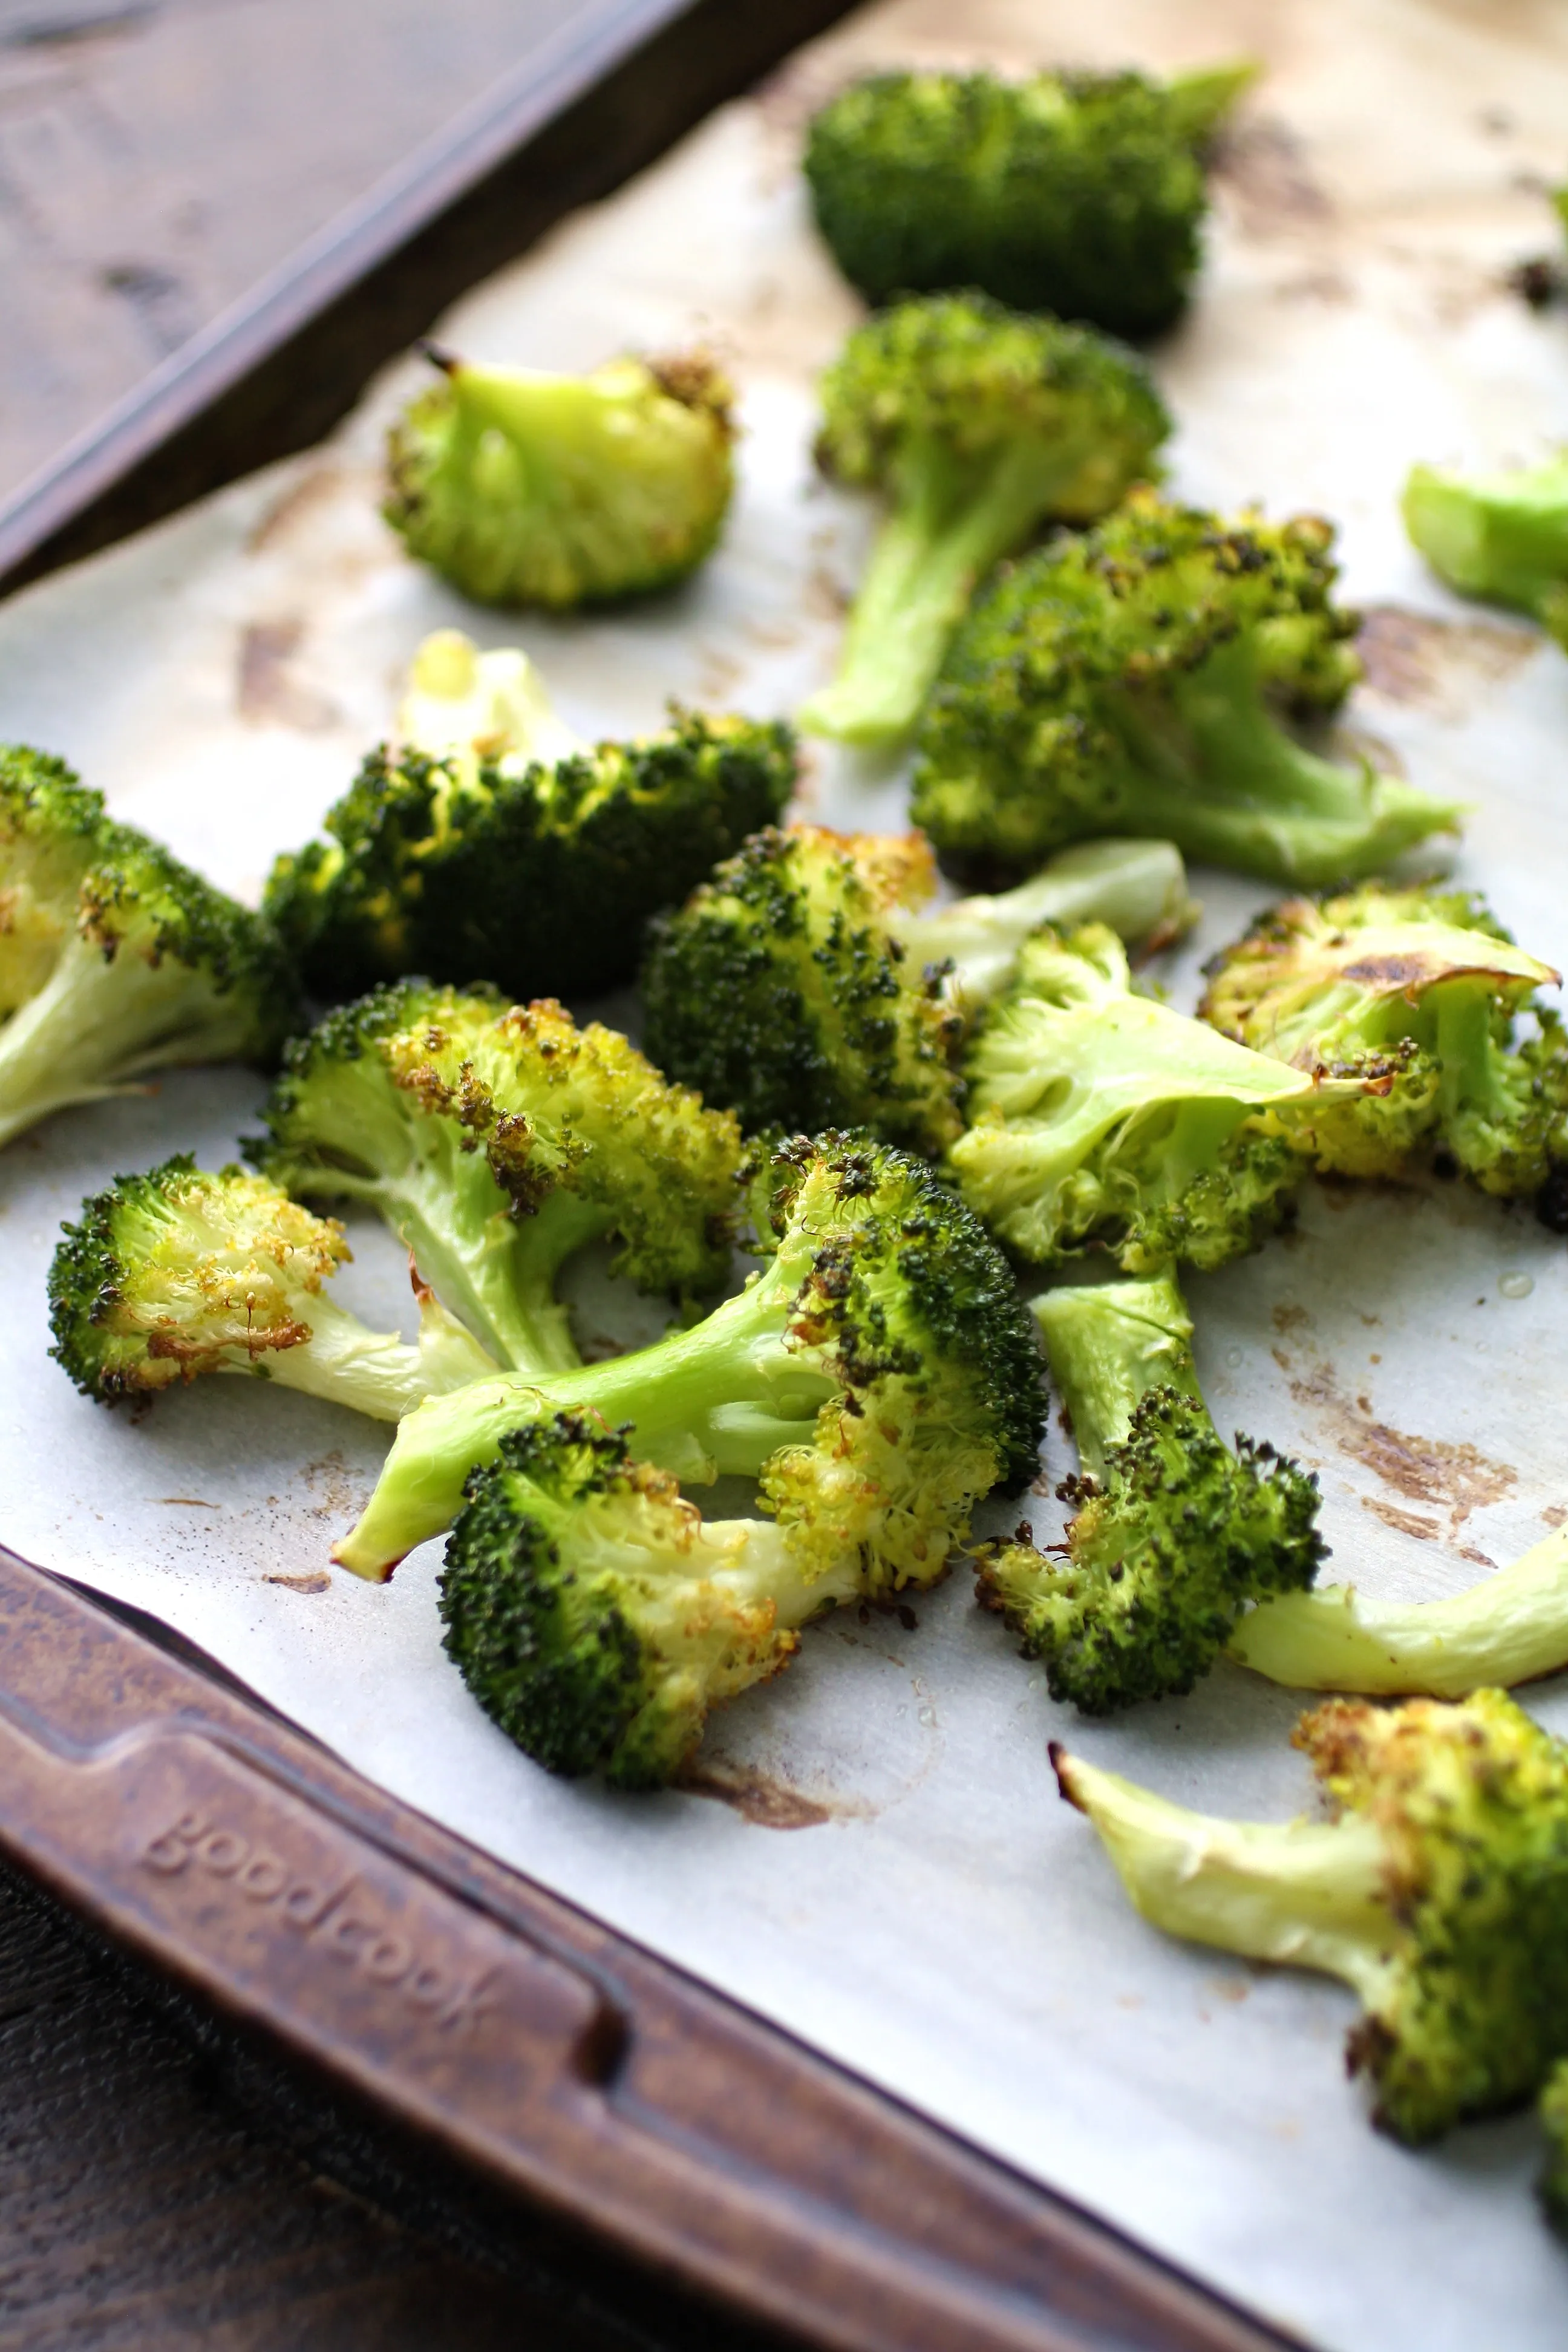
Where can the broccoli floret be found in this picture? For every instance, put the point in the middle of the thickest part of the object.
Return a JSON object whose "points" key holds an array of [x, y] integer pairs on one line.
{"points": [[1503, 537], [597, 1617], [115, 960], [1100, 1116], [811, 985], [1081, 194], [180, 1272], [483, 845], [978, 425], [1132, 680], [526, 489], [1173, 1535], [496, 1142], [1440, 1895], [878, 1375], [1513, 1628], [1415, 992]]}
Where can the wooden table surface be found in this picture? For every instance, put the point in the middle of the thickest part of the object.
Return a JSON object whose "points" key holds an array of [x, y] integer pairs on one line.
{"points": [[157, 157]]}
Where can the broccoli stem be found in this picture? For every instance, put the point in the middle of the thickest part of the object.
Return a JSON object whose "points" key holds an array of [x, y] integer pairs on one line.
{"points": [[950, 520], [1109, 1346], [714, 1402], [1307, 1893], [372, 1372], [1203, 98], [1138, 887], [101, 1022], [1512, 1629], [1231, 787]]}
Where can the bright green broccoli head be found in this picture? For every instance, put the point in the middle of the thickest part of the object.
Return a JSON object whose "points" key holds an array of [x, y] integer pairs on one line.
{"points": [[596, 1617], [781, 988], [1415, 993], [1098, 1116], [1081, 194], [1173, 1535], [978, 425], [811, 983], [878, 1375], [1132, 680], [524, 489], [181, 1272], [1503, 537], [115, 960], [1440, 1895], [538, 876], [496, 1142]]}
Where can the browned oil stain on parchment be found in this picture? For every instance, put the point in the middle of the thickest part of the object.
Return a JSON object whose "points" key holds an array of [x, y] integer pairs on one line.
{"points": [[771, 1804], [266, 692], [1433, 1472], [1443, 666]]}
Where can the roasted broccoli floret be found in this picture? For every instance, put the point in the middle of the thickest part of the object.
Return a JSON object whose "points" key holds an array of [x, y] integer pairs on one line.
{"points": [[483, 846], [1173, 1535], [180, 1272], [496, 1142], [1512, 1628], [1132, 680], [978, 425], [878, 1375], [1503, 536], [597, 1617], [115, 960], [811, 983], [526, 489], [1097, 1115], [1440, 1895], [1416, 992], [1081, 194]]}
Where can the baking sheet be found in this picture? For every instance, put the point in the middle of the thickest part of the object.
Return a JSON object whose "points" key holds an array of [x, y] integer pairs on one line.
{"points": [[937, 1919]]}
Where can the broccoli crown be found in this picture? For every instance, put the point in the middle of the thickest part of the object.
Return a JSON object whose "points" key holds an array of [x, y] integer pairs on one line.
{"points": [[537, 879], [1440, 1895], [878, 1375], [1415, 992], [115, 960], [781, 988], [958, 377], [1080, 194], [1130, 680], [523, 489], [592, 1613], [1173, 1535], [1500, 536], [1100, 1116], [1161, 1558], [497, 1140], [180, 1272]]}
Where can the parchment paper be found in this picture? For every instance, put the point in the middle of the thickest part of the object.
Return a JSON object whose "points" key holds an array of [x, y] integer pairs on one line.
{"points": [[935, 1918]]}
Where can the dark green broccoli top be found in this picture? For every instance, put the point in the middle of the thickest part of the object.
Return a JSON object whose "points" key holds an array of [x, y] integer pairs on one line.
{"points": [[539, 879], [1081, 194]]}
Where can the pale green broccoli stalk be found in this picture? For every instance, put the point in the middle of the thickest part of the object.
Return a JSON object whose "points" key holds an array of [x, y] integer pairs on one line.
{"points": [[878, 1375], [1078, 192], [497, 1141], [596, 1616], [1098, 1116], [1134, 680], [1440, 1895], [526, 489], [1173, 1535], [979, 425], [491, 842], [1513, 1628], [115, 960], [1417, 994], [1503, 537], [812, 983], [180, 1272]]}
